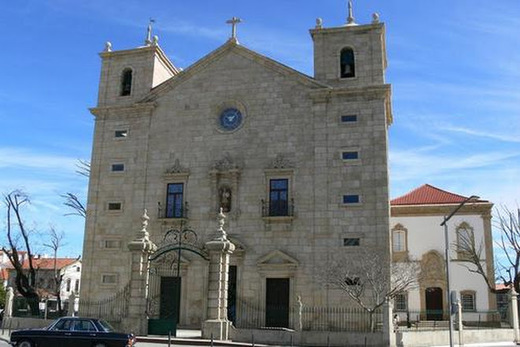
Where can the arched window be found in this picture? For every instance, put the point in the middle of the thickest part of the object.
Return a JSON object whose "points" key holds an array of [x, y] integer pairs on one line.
{"points": [[126, 82], [399, 242], [347, 63], [465, 242]]}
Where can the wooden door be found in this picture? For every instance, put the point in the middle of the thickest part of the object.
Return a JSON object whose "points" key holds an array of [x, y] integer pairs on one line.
{"points": [[277, 302]]}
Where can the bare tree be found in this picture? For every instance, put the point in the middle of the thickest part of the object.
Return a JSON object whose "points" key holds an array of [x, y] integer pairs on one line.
{"points": [[83, 167], [18, 237], [507, 223], [55, 243], [71, 200], [368, 280]]}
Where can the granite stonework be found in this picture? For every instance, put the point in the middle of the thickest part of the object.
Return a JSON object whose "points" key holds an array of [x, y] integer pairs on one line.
{"points": [[291, 128]]}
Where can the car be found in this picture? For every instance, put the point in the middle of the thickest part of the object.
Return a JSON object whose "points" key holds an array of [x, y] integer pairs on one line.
{"points": [[73, 332]]}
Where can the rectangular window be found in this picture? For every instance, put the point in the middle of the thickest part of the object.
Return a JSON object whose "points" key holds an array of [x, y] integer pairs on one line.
{"points": [[76, 286], [351, 199], [114, 206], [468, 301], [121, 133], [118, 167], [350, 155], [351, 242], [68, 285], [109, 279], [174, 200], [349, 119], [110, 244], [398, 241], [279, 197], [401, 302]]}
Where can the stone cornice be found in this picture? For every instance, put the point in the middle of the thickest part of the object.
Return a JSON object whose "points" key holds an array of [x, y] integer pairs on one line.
{"points": [[135, 109], [139, 50], [439, 210], [354, 28]]}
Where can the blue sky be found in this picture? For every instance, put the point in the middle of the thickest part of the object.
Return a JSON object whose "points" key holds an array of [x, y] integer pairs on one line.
{"points": [[453, 65]]}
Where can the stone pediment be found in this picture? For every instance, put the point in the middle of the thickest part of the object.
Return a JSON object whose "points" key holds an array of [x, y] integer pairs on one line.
{"points": [[232, 47], [277, 261]]}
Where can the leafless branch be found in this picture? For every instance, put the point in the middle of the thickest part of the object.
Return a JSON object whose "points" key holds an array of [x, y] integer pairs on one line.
{"points": [[74, 203]]}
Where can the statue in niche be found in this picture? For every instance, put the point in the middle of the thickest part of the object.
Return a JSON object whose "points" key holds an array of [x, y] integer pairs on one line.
{"points": [[225, 198]]}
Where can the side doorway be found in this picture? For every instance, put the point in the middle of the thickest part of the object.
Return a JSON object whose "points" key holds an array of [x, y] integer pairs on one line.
{"points": [[277, 302], [434, 303]]}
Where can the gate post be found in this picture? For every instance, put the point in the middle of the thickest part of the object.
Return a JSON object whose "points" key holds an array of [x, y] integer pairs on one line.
{"points": [[141, 248], [217, 324]]}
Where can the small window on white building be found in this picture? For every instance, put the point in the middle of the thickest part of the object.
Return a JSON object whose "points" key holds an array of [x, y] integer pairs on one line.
{"points": [[399, 239], [467, 299], [76, 286], [401, 302], [68, 284]]}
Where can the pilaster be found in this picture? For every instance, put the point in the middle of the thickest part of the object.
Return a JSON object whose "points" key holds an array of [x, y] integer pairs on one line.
{"points": [[217, 325], [141, 248]]}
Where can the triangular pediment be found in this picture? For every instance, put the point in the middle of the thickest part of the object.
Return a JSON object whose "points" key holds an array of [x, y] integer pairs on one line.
{"points": [[231, 47], [277, 258]]}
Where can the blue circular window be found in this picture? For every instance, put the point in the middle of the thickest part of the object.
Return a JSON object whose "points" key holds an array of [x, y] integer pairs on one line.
{"points": [[230, 119]]}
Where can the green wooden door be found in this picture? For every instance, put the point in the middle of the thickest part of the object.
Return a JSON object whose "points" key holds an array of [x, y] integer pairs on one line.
{"points": [[277, 302]]}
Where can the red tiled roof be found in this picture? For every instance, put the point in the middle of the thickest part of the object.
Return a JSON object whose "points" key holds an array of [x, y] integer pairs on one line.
{"points": [[502, 286], [429, 195], [47, 263]]}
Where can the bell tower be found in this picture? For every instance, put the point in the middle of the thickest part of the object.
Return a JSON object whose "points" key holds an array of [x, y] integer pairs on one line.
{"points": [[128, 75], [352, 55]]}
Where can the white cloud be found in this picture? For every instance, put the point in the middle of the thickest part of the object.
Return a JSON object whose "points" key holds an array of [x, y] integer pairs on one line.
{"points": [[21, 157]]}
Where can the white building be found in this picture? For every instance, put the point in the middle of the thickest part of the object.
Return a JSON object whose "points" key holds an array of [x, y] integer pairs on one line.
{"points": [[417, 235]]}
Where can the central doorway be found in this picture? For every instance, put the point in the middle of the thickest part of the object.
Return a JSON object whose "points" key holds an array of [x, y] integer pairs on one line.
{"points": [[277, 302], [434, 305], [169, 306]]}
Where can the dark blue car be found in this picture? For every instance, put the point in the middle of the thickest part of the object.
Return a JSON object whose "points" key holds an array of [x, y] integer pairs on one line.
{"points": [[74, 332]]}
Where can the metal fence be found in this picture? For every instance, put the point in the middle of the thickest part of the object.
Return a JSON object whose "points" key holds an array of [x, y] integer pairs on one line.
{"points": [[439, 320], [112, 309], [307, 318]]}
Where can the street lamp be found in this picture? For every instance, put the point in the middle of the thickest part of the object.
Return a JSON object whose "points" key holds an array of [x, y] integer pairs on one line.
{"points": [[447, 257]]}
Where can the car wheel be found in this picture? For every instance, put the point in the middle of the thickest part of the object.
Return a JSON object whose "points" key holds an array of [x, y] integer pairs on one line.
{"points": [[25, 343]]}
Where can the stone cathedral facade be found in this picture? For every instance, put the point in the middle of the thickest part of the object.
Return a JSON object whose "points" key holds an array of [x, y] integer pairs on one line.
{"points": [[298, 164]]}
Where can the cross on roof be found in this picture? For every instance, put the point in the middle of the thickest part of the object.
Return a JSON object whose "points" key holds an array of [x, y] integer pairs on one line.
{"points": [[234, 21]]}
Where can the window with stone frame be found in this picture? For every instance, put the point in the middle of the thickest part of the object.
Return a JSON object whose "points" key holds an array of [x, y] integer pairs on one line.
{"points": [[109, 279], [401, 302], [399, 239], [468, 301], [126, 82], [279, 197], [174, 201], [347, 63], [465, 241]]}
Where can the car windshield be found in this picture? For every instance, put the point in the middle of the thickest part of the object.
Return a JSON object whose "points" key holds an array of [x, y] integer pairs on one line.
{"points": [[106, 325]]}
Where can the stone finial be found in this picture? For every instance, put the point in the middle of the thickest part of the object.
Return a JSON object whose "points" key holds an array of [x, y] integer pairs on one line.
{"points": [[142, 241], [221, 218], [148, 40], [108, 46], [155, 40], [375, 18], [145, 218], [319, 23], [350, 18]]}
